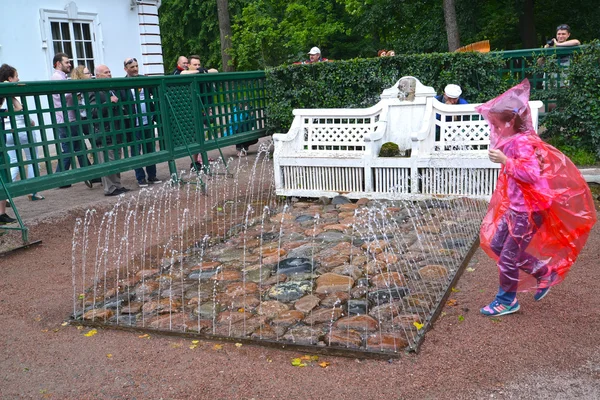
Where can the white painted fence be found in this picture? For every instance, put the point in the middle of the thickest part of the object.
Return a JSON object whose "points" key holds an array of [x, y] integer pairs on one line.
{"points": [[328, 152]]}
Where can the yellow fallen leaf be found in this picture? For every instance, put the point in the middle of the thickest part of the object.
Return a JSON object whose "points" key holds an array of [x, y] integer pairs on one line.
{"points": [[451, 302], [44, 330], [218, 347], [109, 355], [80, 327], [454, 290], [81, 296], [314, 358], [55, 330], [241, 309], [418, 325], [296, 362], [64, 323], [192, 347], [470, 269], [37, 318], [176, 345], [269, 360], [305, 358], [195, 341], [238, 345], [324, 364], [144, 336], [90, 333]]}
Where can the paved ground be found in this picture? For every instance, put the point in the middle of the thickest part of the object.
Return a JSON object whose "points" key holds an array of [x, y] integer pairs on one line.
{"points": [[549, 350]]}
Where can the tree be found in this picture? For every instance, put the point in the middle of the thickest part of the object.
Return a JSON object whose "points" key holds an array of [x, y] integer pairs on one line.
{"points": [[225, 34], [451, 25]]}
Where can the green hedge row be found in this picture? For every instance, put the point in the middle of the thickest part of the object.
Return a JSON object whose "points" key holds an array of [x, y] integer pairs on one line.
{"points": [[357, 83], [574, 125]]}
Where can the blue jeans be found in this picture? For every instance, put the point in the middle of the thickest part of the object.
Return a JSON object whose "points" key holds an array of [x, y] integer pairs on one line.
{"points": [[146, 133], [76, 145]]}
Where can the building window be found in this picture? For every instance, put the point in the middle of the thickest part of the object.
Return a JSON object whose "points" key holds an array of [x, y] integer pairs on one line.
{"points": [[75, 39]]}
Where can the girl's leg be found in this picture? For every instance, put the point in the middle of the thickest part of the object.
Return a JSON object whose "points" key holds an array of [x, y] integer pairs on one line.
{"points": [[519, 235]]}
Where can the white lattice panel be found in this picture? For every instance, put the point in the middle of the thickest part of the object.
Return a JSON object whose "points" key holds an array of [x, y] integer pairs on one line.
{"points": [[329, 179], [396, 180], [458, 181], [337, 134], [461, 133]]}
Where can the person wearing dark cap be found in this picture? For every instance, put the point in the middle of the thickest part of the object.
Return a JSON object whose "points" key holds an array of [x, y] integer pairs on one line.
{"points": [[314, 56], [451, 95]]}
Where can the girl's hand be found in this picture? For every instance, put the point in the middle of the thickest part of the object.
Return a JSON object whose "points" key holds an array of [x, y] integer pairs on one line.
{"points": [[497, 156]]}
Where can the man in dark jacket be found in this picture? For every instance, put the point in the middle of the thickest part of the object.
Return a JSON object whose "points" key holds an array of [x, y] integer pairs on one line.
{"points": [[182, 65], [107, 133], [140, 118]]}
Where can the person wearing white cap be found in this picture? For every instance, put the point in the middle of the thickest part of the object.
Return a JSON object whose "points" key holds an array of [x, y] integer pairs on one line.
{"points": [[314, 56], [451, 95]]}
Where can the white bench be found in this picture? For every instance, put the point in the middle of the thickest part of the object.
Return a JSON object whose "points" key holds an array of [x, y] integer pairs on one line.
{"points": [[328, 152]]}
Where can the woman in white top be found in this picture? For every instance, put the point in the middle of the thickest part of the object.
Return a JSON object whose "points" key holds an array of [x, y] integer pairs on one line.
{"points": [[10, 74]]}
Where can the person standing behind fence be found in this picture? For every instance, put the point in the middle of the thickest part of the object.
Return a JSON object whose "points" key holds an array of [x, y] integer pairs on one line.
{"points": [[62, 66], [10, 74], [451, 95], [106, 107], [182, 65], [314, 56], [144, 130], [195, 67]]}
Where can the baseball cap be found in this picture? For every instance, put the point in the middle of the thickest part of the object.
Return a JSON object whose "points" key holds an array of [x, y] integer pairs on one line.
{"points": [[453, 91], [314, 50]]}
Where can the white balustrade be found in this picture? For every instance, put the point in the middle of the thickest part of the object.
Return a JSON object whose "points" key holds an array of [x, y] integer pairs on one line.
{"points": [[328, 152]]}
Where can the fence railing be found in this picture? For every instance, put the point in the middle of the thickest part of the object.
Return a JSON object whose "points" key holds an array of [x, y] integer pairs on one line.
{"points": [[521, 64], [149, 120]]}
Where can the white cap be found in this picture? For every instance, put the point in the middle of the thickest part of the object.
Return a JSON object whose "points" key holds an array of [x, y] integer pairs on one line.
{"points": [[453, 91], [314, 50]]}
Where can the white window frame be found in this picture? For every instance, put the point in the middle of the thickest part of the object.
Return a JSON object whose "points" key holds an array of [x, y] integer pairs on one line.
{"points": [[71, 15]]}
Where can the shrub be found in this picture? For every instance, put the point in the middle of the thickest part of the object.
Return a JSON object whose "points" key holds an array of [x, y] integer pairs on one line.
{"points": [[389, 149]]}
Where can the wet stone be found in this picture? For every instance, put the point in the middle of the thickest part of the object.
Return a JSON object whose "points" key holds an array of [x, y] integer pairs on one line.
{"points": [[331, 283], [291, 266], [304, 218], [208, 309], [336, 299], [344, 338], [288, 318], [454, 243], [386, 312], [98, 314], [258, 275], [307, 303], [383, 296], [358, 323], [272, 308], [358, 307], [199, 275], [322, 315], [124, 319], [290, 291], [304, 335], [340, 200], [386, 342], [433, 273], [332, 236]]}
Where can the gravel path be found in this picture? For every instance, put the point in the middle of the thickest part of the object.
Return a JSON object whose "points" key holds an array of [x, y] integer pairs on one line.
{"points": [[548, 350]]}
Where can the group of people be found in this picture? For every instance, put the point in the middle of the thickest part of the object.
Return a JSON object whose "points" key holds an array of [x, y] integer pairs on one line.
{"points": [[134, 105], [386, 53]]}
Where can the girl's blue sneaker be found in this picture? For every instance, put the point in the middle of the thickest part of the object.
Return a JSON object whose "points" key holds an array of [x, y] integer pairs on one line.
{"points": [[544, 285], [496, 308]]}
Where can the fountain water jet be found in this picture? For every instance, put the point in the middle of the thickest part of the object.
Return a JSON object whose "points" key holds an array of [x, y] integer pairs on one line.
{"points": [[241, 264]]}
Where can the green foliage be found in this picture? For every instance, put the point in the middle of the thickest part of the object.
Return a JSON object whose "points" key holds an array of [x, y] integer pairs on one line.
{"points": [[389, 149], [358, 83], [574, 125]]}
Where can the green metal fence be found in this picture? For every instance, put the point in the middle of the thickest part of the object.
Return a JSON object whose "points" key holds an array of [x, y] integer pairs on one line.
{"points": [[521, 64], [153, 120]]}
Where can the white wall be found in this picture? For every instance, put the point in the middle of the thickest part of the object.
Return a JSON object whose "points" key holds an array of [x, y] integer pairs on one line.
{"points": [[117, 27]]}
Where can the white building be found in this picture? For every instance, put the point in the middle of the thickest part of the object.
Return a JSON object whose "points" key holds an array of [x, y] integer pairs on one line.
{"points": [[91, 32]]}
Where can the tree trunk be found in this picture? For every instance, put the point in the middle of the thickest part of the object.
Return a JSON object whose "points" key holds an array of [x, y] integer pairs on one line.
{"points": [[225, 32], [451, 25], [527, 25]]}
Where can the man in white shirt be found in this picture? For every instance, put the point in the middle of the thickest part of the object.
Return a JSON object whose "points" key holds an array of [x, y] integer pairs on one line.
{"points": [[62, 66]]}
